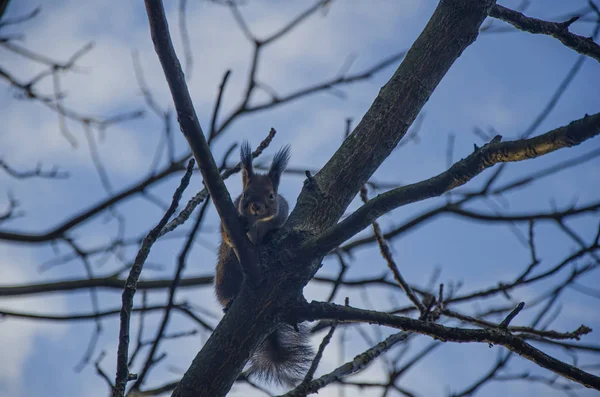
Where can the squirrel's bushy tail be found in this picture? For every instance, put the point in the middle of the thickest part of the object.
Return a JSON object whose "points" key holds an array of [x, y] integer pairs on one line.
{"points": [[283, 357]]}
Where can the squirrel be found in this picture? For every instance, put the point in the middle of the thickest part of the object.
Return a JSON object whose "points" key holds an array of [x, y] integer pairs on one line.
{"points": [[284, 356]]}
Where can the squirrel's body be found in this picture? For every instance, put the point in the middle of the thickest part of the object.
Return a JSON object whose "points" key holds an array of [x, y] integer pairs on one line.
{"points": [[228, 279], [284, 355]]}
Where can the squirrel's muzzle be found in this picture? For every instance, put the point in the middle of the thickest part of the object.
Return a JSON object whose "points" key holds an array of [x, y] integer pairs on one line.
{"points": [[257, 209]]}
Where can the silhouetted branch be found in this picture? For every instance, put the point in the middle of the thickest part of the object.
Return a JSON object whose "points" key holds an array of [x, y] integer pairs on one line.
{"points": [[387, 255], [558, 30], [150, 360], [460, 173], [123, 375], [359, 362], [190, 126], [53, 173], [86, 215], [318, 310], [185, 39]]}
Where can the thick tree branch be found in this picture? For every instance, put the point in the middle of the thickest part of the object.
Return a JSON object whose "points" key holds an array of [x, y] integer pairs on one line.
{"points": [[460, 173], [452, 28], [190, 126], [558, 30], [429, 215], [321, 310]]}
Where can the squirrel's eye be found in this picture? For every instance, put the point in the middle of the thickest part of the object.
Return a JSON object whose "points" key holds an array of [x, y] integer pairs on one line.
{"points": [[271, 196]]}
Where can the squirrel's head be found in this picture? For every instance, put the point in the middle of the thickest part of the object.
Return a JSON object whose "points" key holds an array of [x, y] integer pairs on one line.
{"points": [[259, 197]]}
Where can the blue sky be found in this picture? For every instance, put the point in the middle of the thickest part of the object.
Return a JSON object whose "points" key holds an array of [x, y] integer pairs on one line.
{"points": [[502, 81]]}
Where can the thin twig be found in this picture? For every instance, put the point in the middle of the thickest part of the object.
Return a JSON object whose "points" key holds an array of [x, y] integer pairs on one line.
{"points": [[171, 300], [123, 375], [387, 255]]}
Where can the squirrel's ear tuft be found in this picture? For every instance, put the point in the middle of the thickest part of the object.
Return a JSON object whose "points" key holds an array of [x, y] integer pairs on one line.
{"points": [[280, 161], [246, 160]]}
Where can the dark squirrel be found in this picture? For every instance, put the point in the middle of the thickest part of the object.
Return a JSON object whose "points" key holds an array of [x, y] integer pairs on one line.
{"points": [[284, 356]]}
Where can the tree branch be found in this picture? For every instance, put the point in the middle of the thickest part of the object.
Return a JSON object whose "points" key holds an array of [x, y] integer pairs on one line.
{"points": [[123, 375], [358, 363], [321, 310], [190, 126], [558, 30], [452, 28], [87, 214], [181, 262], [460, 173], [387, 255], [98, 282]]}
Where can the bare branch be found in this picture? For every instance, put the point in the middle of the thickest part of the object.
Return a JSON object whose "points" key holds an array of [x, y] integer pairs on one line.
{"points": [[87, 214], [460, 173], [213, 123], [171, 300], [101, 372], [515, 344], [582, 330], [359, 362], [558, 30], [318, 5], [123, 375], [185, 39], [315, 363], [387, 255], [553, 215], [558, 93], [16, 20], [505, 323], [53, 173]]}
